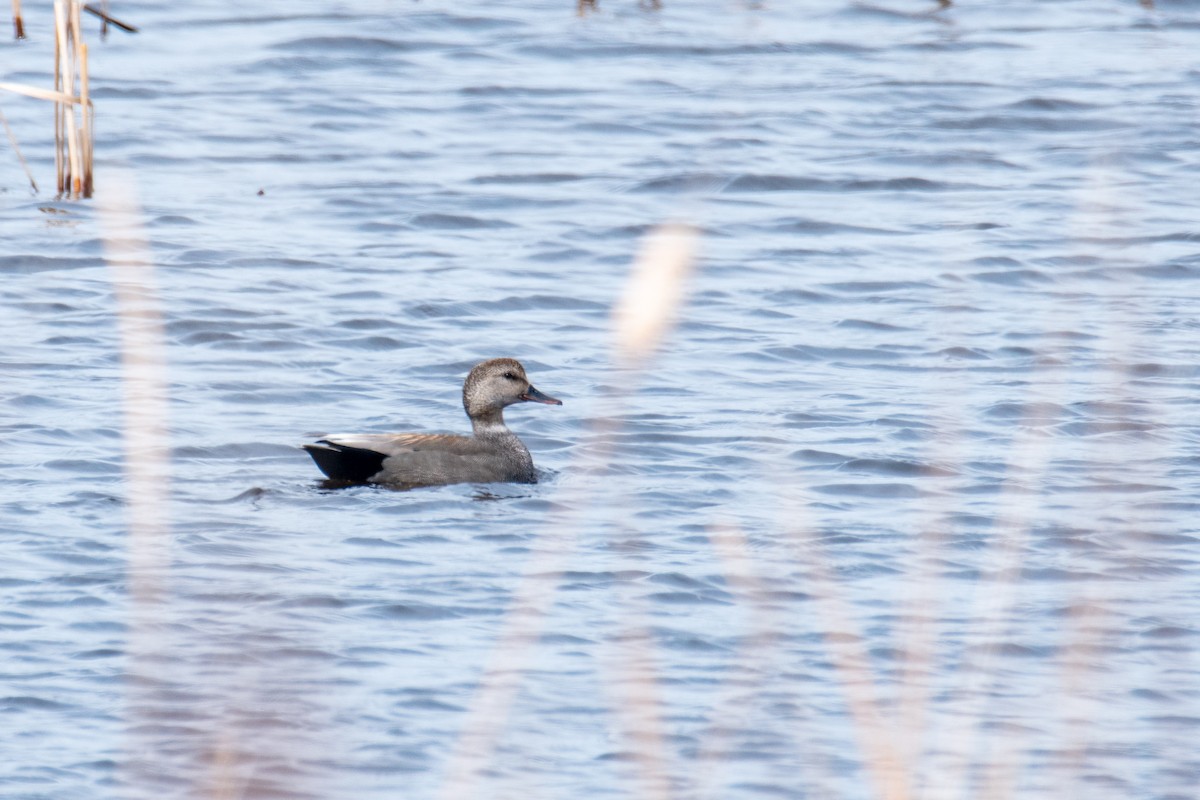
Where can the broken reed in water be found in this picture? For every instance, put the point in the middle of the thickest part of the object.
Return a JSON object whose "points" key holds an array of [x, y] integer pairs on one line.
{"points": [[18, 23]]}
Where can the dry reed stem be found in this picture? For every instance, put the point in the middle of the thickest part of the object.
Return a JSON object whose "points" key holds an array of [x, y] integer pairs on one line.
{"points": [[228, 780], [145, 438], [1085, 633], [74, 167], [78, 127], [59, 166], [79, 68], [64, 80], [510, 657], [12, 138], [18, 22], [889, 773], [654, 291], [1083, 628], [144, 392], [84, 181], [639, 707], [738, 568], [523, 625], [918, 623], [41, 94], [995, 598], [995, 602], [1085, 636], [107, 19], [647, 310], [640, 325], [73, 146], [61, 101]]}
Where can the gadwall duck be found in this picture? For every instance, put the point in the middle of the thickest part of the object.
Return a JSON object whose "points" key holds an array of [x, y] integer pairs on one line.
{"points": [[493, 454]]}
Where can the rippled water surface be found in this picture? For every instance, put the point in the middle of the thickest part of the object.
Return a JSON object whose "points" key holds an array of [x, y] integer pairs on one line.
{"points": [[906, 506]]}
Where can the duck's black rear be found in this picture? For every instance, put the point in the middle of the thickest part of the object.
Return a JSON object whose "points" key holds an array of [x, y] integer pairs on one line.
{"points": [[341, 463]]}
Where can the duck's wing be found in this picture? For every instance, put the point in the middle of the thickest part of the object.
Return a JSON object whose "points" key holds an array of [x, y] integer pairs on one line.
{"points": [[358, 457]]}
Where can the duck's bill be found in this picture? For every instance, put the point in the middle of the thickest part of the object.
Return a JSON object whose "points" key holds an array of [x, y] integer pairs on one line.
{"points": [[532, 395]]}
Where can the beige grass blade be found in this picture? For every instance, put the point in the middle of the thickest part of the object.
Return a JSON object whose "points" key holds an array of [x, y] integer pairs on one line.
{"points": [[652, 295], [654, 291], [41, 94], [12, 138]]}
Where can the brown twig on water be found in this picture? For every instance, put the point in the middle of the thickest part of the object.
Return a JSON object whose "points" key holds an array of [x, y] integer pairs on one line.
{"points": [[18, 23], [108, 19]]}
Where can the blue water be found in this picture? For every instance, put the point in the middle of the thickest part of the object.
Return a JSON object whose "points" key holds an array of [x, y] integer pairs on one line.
{"points": [[905, 505]]}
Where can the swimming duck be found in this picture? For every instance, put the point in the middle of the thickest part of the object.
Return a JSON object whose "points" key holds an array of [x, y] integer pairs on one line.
{"points": [[492, 454]]}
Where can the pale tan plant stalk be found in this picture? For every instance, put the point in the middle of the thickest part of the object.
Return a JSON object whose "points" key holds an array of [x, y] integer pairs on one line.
{"points": [[12, 138], [654, 292], [144, 390], [146, 445], [638, 706], [18, 22], [60, 166], [882, 759], [918, 624], [510, 657], [640, 322], [646, 312], [42, 94], [83, 184], [738, 568], [995, 602], [74, 149], [72, 142], [1085, 631], [61, 101]]}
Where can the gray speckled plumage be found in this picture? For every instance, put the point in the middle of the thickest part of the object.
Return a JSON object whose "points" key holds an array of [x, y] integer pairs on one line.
{"points": [[492, 454]]}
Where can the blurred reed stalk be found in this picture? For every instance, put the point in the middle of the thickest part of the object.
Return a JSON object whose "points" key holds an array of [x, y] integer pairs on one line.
{"points": [[641, 320], [12, 138], [18, 22], [655, 290], [889, 772], [646, 313], [729, 706], [144, 392]]}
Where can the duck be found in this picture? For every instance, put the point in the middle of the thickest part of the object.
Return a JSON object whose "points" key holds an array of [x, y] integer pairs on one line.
{"points": [[492, 454]]}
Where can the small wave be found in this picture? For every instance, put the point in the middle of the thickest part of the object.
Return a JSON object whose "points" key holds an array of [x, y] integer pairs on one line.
{"points": [[1000, 122], [535, 178], [458, 222], [880, 491], [365, 45], [888, 466]]}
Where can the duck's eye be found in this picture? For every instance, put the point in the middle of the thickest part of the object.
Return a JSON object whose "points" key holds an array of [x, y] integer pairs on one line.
{"points": [[512, 376]]}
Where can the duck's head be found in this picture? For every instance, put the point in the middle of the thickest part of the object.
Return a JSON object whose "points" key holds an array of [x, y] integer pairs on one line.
{"points": [[497, 383]]}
